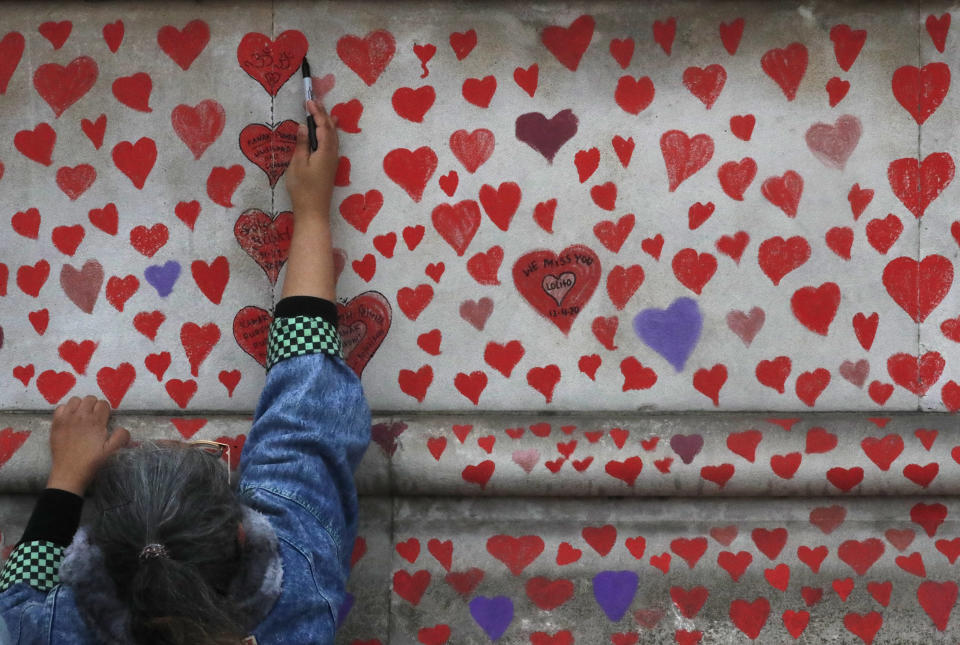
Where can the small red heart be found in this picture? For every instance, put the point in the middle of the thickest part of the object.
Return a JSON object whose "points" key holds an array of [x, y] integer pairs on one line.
{"points": [[653, 246], [147, 323], [230, 379], [543, 214], [430, 342], [119, 290], [699, 213], [449, 182], [742, 126], [664, 32], [837, 89], [134, 91], [55, 385], [527, 78], [183, 46], [730, 35], [149, 240], [859, 199]]}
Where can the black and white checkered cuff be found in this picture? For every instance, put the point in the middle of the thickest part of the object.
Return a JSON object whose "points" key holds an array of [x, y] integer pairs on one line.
{"points": [[36, 563], [301, 335]]}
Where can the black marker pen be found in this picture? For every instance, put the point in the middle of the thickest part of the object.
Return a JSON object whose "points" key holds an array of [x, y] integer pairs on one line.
{"points": [[308, 95]]}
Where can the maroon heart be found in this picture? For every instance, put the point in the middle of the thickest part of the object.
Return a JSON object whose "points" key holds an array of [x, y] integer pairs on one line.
{"points": [[546, 136]]}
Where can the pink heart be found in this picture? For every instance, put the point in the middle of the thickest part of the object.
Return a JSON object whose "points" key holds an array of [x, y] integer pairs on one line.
{"points": [[833, 144], [857, 372], [746, 326], [557, 286], [526, 459], [476, 312]]}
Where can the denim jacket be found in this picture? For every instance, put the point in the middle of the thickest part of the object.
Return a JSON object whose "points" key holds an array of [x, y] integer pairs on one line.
{"points": [[310, 430]]}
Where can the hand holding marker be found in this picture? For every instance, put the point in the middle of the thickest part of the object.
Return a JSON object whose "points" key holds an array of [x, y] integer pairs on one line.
{"points": [[308, 96]]}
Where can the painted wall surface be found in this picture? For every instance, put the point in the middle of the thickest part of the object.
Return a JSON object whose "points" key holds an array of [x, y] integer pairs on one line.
{"points": [[620, 206], [636, 215]]}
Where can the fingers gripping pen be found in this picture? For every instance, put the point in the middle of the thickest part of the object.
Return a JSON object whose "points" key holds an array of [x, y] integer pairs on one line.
{"points": [[308, 96]]}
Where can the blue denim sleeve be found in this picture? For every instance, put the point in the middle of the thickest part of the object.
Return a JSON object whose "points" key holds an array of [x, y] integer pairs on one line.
{"points": [[310, 431]]}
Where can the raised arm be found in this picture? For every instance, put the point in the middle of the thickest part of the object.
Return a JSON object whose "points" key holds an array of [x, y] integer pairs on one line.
{"points": [[312, 424], [309, 180]]}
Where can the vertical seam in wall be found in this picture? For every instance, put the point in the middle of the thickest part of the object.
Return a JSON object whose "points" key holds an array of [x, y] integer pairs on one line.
{"points": [[920, 184], [273, 98], [393, 514]]}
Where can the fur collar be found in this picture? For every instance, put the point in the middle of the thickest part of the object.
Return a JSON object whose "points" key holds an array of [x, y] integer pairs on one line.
{"points": [[255, 588]]}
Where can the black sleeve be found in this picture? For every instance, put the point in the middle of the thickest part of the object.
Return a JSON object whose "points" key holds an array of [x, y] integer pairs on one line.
{"points": [[311, 306], [55, 518]]}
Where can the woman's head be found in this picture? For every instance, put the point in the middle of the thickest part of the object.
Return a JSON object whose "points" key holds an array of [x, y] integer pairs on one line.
{"points": [[179, 497]]}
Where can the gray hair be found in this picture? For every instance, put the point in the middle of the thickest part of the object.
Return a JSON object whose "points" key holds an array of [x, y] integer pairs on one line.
{"points": [[179, 497]]}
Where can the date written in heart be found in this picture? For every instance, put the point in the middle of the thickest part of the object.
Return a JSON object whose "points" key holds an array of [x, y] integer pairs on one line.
{"points": [[558, 285]]}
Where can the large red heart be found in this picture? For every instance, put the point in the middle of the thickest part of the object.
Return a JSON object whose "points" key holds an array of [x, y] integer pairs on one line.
{"points": [[184, 46], [815, 307], [270, 148], [134, 91], [938, 599], [61, 86], [472, 149], [75, 181], [916, 183], [778, 257], [367, 56], [115, 382], [457, 223], [36, 144], [515, 552], [364, 323], [684, 155], [784, 192], [198, 342], [211, 278], [549, 594], [735, 177], [921, 90], [411, 169], [750, 617], [734, 563], [569, 44], [359, 209], [136, 160], [786, 67], [264, 239], [706, 83], [409, 586], [272, 62], [847, 44], [558, 285], [861, 555], [883, 451], [27, 223], [864, 626], [198, 127], [31, 278], [54, 385], [918, 287], [916, 375]]}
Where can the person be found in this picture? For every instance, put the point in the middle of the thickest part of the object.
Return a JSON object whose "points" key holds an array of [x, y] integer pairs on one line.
{"points": [[172, 553]]}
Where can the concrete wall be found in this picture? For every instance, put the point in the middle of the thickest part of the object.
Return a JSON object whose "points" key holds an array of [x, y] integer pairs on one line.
{"points": [[697, 258]]}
